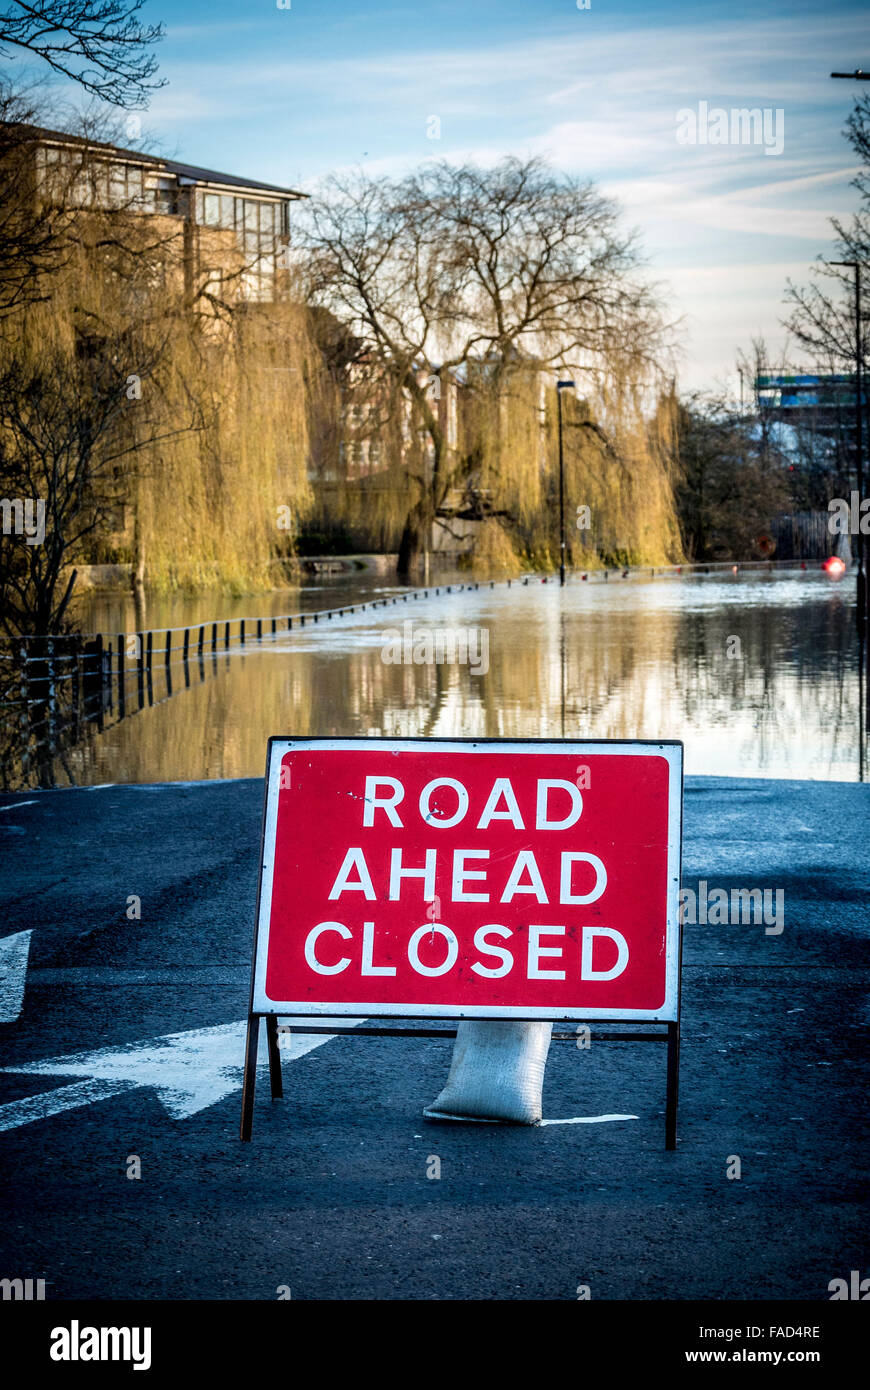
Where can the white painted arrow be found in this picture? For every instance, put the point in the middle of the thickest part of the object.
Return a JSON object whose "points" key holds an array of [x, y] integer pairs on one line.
{"points": [[189, 1071], [588, 1120], [13, 969]]}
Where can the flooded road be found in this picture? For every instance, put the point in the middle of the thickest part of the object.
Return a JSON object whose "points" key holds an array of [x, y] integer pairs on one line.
{"points": [[757, 673]]}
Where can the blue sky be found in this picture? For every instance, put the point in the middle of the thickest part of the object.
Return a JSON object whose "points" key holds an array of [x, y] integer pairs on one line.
{"points": [[287, 95]]}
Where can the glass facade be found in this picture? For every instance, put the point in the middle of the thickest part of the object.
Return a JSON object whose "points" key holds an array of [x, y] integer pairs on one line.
{"points": [[83, 182], [260, 225]]}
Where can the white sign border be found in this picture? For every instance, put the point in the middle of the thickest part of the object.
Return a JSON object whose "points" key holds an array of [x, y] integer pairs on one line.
{"points": [[670, 750]]}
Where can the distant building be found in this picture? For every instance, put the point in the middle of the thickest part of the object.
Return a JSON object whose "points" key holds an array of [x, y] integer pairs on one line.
{"points": [[381, 424], [234, 231], [818, 399]]}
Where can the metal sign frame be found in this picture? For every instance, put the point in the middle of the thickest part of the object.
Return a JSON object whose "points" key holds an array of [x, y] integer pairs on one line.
{"points": [[261, 1007]]}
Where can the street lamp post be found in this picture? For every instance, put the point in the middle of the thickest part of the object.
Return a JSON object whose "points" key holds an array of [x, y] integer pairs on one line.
{"points": [[560, 387]]}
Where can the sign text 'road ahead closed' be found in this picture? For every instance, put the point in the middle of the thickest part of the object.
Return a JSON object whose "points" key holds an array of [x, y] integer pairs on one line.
{"points": [[475, 879]]}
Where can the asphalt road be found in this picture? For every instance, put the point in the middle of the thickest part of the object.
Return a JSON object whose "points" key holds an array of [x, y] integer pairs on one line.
{"points": [[332, 1198]]}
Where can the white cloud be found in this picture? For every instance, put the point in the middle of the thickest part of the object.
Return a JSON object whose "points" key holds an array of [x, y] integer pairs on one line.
{"points": [[725, 225]]}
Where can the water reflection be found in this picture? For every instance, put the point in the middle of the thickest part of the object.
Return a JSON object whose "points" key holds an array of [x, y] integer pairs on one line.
{"points": [[758, 675]]}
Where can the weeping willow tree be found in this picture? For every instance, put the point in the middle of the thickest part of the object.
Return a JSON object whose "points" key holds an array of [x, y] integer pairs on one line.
{"points": [[156, 430], [504, 484], [360, 444], [79, 404], [620, 461], [221, 504], [490, 278], [620, 467]]}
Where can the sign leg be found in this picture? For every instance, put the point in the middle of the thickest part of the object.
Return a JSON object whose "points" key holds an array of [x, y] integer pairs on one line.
{"points": [[274, 1057], [250, 1077], [673, 1085]]}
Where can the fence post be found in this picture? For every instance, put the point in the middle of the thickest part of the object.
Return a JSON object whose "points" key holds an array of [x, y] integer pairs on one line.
{"points": [[81, 684], [142, 665], [100, 678], [122, 655], [49, 661], [168, 647], [25, 713], [108, 683]]}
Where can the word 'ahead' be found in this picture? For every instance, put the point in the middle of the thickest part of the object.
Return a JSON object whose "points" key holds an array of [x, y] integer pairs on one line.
{"points": [[470, 879]]}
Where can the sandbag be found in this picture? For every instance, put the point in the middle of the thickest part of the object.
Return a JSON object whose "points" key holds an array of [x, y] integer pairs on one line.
{"points": [[496, 1073]]}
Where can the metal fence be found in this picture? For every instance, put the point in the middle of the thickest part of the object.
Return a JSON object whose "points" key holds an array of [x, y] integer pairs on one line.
{"points": [[52, 689], [55, 688]]}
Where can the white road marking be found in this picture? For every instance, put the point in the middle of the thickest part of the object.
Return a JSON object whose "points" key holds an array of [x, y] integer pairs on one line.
{"points": [[588, 1119], [189, 1071], [13, 970], [22, 1112]]}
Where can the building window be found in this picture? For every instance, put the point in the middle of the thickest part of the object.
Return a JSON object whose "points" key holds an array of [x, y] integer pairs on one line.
{"points": [[211, 209], [117, 186], [164, 192], [135, 185]]}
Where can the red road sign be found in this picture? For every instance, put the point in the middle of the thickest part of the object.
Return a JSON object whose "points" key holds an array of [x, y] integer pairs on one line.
{"points": [[470, 879]]}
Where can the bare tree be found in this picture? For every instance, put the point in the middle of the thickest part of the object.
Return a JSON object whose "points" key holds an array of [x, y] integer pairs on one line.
{"points": [[100, 44], [70, 430], [42, 198], [822, 319], [471, 271], [732, 480], [81, 399], [33, 238], [479, 273]]}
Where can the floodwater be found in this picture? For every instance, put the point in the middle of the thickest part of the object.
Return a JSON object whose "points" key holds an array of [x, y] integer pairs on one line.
{"points": [[757, 673]]}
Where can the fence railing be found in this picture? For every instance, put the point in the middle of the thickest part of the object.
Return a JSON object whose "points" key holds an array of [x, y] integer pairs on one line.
{"points": [[51, 688]]}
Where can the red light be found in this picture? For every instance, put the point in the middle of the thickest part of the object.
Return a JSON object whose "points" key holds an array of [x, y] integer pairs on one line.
{"points": [[834, 565]]}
